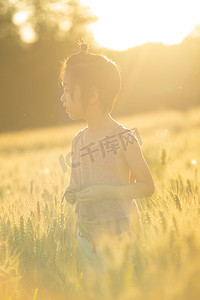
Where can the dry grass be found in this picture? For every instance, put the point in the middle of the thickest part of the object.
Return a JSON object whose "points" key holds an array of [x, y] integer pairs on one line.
{"points": [[38, 247]]}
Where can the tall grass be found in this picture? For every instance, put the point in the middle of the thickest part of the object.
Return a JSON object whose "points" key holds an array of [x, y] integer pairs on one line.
{"points": [[39, 257]]}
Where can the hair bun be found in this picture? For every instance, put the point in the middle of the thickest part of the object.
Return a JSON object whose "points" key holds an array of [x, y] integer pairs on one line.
{"points": [[84, 48]]}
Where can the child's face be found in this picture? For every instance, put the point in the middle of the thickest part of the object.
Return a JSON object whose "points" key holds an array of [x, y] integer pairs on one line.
{"points": [[73, 108]]}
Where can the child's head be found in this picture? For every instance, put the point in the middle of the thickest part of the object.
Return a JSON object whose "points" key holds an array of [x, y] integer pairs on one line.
{"points": [[92, 71]]}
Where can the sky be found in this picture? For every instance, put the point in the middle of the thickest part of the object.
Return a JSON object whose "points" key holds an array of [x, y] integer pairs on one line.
{"points": [[128, 23], [123, 24]]}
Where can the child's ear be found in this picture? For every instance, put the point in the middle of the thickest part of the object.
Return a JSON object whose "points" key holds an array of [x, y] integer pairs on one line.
{"points": [[94, 94]]}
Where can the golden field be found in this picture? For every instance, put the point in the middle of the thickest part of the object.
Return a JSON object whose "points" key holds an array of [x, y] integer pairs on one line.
{"points": [[38, 245]]}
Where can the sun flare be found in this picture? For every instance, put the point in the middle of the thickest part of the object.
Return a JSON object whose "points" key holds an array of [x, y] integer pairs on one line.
{"points": [[129, 23]]}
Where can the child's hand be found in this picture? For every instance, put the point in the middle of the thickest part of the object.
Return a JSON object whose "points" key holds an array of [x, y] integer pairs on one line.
{"points": [[70, 193], [73, 188], [91, 193]]}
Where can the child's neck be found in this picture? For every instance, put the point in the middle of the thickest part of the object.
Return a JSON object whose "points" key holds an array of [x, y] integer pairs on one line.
{"points": [[98, 123]]}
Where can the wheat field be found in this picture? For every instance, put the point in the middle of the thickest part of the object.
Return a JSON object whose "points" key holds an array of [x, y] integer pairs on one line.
{"points": [[38, 245]]}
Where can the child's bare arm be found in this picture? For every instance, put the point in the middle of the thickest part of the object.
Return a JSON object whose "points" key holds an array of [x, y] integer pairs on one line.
{"points": [[144, 185], [129, 191]]}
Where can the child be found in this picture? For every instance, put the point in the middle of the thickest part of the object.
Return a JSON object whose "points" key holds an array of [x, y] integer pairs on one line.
{"points": [[105, 155]]}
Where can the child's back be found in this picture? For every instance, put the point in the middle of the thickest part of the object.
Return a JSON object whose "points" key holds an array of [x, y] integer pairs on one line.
{"points": [[103, 162]]}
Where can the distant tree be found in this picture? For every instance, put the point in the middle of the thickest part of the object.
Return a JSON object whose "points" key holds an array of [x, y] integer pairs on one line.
{"points": [[47, 19], [8, 30], [32, 69]]}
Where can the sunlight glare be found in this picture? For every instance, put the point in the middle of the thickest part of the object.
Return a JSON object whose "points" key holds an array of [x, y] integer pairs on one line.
{"points": [[55, 6], [129, 23], [65, 25], [45, 171], [27, 34], [20, 17]]}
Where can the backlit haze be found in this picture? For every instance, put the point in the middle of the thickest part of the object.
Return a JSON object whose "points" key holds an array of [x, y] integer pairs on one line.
{"points": [[125, 24]]}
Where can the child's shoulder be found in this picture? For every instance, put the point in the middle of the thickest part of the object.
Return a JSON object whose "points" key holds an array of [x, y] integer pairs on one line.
{"points": [[78, 136], [124, 131], [123, 127]]}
